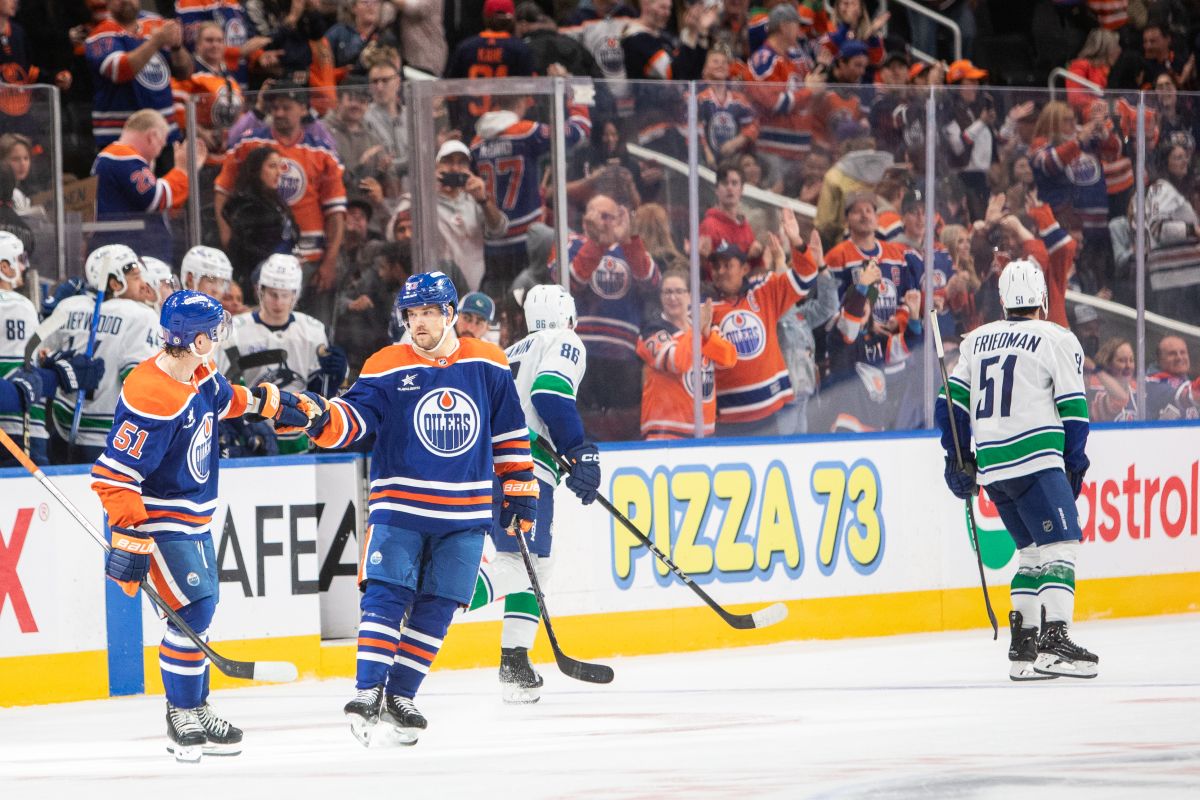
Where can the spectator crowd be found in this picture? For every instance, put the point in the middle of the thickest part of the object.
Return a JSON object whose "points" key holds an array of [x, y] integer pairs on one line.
{"points": [[816, 281]]}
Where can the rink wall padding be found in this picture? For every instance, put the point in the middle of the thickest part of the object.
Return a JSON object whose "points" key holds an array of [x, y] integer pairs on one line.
{"points": [[855, 534]]}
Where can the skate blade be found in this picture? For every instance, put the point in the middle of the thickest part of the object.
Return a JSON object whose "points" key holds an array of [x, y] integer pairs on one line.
{"points": [[1024, 671], [212, 749], [520, 695], [388, 736], [361, 728], [186, 755], [1047, 664]]}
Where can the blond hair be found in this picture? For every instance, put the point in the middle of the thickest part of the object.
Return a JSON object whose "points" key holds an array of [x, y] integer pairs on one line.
{"points": [[1051, 120], [144, 121]]}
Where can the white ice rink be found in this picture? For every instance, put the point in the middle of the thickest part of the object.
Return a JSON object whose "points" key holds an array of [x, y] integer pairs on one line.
{"points": [[929, 716]]}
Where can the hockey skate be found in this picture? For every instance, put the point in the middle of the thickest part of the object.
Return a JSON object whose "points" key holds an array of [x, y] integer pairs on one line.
{"points": [[1023, 651], [363, 713], [1058, 655], [186, 734], [400, 722], [223, 739], [519, 681]]}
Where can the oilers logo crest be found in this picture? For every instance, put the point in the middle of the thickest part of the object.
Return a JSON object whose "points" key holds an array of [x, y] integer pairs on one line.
{"points": [[1085, 170], [447, 422], [708, 376], [611, 279], [611, 57], [722, 127], [884, 307], [746, 332], [292, 182], [199, 452], [156, 75], [235, 32]]}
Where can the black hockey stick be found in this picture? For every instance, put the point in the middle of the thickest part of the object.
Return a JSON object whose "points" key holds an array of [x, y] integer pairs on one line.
{"points": [[762, 618], [579, 670], [941, 354], [272, 671]]}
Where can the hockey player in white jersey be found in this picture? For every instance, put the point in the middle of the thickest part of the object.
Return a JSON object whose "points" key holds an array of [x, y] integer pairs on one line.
{"points": [[277, 344], [161, 280], [127, 333], [1018, 391], [207, 270], [547, 366]]}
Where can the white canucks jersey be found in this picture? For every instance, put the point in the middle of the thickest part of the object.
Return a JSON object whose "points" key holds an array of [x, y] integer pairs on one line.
{"points": [[299, 340], [550, 362], [18, 321], [1021, 382], [126, 334]]}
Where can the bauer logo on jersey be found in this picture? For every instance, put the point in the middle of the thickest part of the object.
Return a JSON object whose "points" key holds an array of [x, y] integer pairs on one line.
{"points": [[746, 332], [447, 422], [199, 454], [292, 182], [156, 75], [611, 279]]}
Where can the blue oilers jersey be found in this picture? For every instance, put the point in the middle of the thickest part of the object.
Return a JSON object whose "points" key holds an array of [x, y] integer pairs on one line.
{"points": [[119, 91], [158, 472], [443, 429], [609, 287], [506, 153]]}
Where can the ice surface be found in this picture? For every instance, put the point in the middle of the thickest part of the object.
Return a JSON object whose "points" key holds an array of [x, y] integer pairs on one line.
{"points": [[925, 716]]}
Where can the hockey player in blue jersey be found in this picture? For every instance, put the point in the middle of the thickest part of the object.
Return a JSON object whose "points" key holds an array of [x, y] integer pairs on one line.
{"points": [[1018, 390], [446, 419], [157, 481]]}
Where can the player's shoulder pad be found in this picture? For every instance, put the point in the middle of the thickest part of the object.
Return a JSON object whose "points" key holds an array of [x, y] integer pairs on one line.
{"points": [[390, 359], [569, 336], [243, 319], [131, 310], [479, 350], [17, 299], [150, 392], [312, 327]]}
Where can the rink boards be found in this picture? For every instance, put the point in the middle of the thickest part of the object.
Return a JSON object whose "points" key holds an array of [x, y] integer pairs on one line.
{"points": [[856, 534]]}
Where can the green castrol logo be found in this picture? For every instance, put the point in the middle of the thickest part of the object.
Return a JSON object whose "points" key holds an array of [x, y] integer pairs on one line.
{"points": [[996, 547]]}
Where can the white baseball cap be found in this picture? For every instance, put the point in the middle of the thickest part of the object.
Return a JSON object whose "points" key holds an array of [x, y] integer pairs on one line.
{"points": [[452, 146]]}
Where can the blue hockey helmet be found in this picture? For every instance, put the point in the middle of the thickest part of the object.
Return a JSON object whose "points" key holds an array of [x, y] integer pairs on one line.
{"points": [[187, 313], [426, 289]]}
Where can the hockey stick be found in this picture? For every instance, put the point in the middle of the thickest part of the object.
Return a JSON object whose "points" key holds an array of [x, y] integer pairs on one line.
{"points": [[579, 670], [271, 671], [91, 348], [941, 354], [762, 618]]}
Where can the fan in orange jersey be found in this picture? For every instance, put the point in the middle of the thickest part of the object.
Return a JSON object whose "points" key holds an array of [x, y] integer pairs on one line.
{"points": [[668, 383], [752, 392]]}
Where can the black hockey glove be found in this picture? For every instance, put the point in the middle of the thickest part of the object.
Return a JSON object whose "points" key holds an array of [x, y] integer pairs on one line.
{"points": [[961, 481], [76, 372], [519, 508], [316, 408], [584, 479], [334, 367]]}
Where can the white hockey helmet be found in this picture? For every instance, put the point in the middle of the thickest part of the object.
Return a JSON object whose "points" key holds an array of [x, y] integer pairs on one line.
{"points": [[158, 273], [281, 271], [1023, 285], [110, 261], [12, 251], [205, 262], [549, 306]]}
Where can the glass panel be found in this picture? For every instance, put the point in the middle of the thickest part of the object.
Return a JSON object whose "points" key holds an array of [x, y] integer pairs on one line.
{"points": [[30, 147]]}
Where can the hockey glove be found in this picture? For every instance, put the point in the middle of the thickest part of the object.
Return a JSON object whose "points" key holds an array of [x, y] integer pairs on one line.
{"points": [[961, 481], [519, 507], [68, 288], [1075, 473], [76, 372], [316, 408], [584, 479], [334, 367], [290, 415], [29, 386], [128, 561]]}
